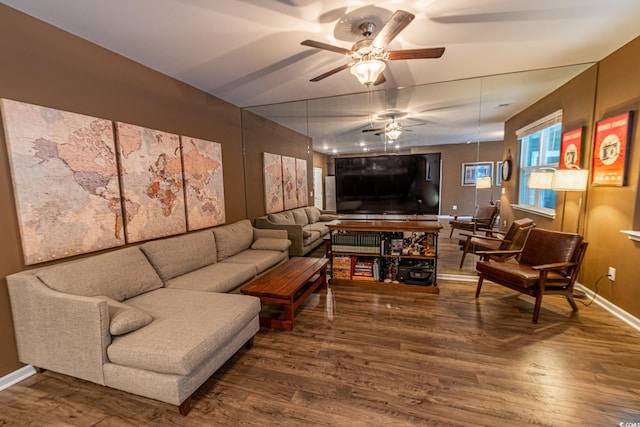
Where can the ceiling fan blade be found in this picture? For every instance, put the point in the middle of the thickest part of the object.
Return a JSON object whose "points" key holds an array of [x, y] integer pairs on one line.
{"points": [[330, 73], [381, 79], [398, 21], [372, 130], [433, 52], [325, 46]]}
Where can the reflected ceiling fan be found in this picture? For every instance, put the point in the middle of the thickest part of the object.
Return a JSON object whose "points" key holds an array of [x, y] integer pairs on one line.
{"points": [[369, 54], [393, 130]]}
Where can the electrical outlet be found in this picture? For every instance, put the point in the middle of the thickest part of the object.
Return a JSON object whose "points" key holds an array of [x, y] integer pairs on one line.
{"points": [[612, 274], [504, 223], [455, 207]]}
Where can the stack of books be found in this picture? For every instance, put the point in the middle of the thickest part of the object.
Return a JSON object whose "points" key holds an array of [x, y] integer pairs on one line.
{"points": [[356, 243], [363, 269]]}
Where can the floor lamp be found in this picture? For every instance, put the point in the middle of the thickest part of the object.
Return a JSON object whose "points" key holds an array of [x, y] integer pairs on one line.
{"points": [[570, 180], [485, 182]]}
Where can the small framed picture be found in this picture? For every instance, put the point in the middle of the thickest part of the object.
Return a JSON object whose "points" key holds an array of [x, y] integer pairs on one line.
{"points": [[571, 149], [472, 171], [610, 150], [498, 174]]}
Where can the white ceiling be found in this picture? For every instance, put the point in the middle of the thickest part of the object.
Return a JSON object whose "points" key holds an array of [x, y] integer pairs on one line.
{"points": [[248, 52]]}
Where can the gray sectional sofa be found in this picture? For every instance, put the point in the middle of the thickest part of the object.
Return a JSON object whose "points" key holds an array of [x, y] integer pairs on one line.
{"points": [[157, 319], [305, 226]]}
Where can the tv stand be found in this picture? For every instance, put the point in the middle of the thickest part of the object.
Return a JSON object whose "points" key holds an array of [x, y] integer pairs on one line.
{"points": [[400, 254]]}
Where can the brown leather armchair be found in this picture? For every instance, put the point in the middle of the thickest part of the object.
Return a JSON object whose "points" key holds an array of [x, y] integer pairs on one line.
{"points": [[513, 240], [549, 263], [483, 217]]}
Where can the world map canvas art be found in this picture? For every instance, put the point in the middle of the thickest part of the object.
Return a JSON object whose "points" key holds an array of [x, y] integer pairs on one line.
{"points": [[65, 181], [151, 175], [204, 185], [273, 196], [289, 182]]}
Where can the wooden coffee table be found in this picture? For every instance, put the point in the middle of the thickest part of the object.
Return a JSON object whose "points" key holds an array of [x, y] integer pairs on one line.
{"points": [[288, 284]]}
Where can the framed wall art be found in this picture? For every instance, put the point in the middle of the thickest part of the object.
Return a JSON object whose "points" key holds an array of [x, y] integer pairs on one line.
{"points": [[273, 195], [472, 171], [611, 145], [65, 181], [571, 149]]}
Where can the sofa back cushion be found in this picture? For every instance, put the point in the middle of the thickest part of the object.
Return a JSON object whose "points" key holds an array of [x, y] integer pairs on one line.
{"points": [[313, 214], [285, 217], [300, 216], [178, 255], [233, 238], [120, 275]]}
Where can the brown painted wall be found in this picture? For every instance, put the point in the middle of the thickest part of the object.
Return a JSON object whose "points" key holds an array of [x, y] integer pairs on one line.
{"points": [[611, 209], [453, 192], [261, 135], [575, 99], [607, 89], [46, 66]]}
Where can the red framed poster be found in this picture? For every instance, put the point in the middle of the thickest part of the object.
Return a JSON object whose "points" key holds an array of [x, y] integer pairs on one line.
{"points": [[610, 148], [571, 149]]}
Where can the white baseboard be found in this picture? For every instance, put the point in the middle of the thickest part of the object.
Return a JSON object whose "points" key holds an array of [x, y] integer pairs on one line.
{"points": [[16, 376], [458, 277], [610, 307]]}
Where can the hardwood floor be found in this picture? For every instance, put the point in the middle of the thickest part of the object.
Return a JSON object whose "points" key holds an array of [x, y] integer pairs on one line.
{"points": [[390, 358]]}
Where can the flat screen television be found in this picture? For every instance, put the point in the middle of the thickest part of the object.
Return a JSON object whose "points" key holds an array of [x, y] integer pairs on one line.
{"points": [[388, 184]]}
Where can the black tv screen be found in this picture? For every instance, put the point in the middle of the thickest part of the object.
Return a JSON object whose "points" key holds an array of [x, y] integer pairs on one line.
{"points": [[392, 184]]}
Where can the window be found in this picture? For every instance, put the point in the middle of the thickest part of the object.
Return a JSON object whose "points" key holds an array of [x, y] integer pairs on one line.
{"points": [[539, 152]]}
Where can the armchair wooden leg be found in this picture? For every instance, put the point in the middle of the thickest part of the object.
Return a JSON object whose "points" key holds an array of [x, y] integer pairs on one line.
{"points": [[451, 234], [480, 279], [572, 302], [465, 250]]}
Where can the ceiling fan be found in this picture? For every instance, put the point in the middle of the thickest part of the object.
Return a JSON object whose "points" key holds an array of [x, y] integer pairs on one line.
{"points": [[369, 54], [392, 130]]}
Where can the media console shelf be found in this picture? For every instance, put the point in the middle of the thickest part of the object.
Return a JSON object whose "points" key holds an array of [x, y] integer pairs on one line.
{"points": [[385, 254]]}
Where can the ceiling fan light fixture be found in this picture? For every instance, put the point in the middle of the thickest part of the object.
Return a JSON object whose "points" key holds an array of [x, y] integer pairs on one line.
{"points": [[393, 134], [368, 71]]}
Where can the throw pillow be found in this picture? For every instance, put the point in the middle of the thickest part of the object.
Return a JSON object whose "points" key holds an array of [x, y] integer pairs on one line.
{"points": [[306, 233], [269, 243], [124, 318]]}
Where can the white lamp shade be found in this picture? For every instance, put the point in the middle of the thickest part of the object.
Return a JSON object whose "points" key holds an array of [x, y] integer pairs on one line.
{"points": [[540, 180], [484, 182], [570, 180], [367, 72]]}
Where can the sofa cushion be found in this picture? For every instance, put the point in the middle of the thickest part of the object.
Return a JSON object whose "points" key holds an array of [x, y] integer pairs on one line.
{"points": [[219, 277], [319, 227], [271, 244], [300, 216], [120, 275], [261, 259], [181, 254], [285, 217], [124, 318], [306, 234], [328, 217], [313, 236], [313, 214], [188, 328], [233, 238]]}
